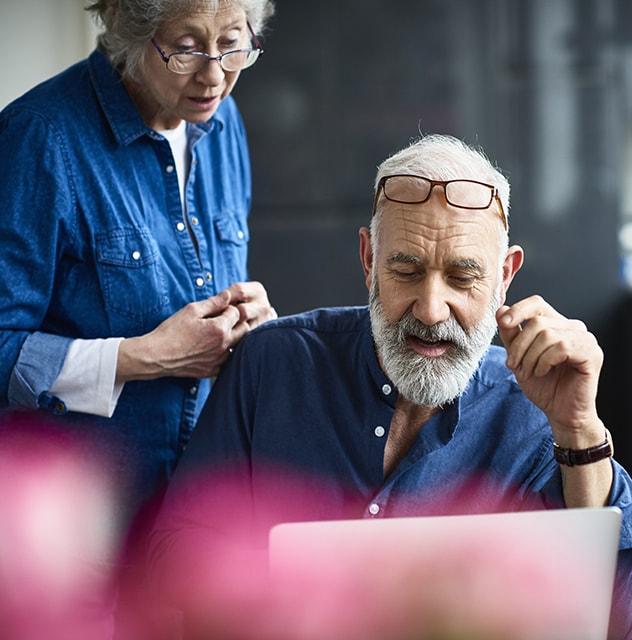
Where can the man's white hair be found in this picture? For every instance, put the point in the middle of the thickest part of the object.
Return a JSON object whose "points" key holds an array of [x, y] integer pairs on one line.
{"points": [[442, 157]]}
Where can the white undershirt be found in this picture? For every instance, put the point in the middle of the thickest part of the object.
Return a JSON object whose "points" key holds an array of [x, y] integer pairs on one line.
{"points": [[87, 380], [178, 141]]}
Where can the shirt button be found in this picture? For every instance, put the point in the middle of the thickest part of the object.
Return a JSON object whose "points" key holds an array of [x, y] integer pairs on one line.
{"points": [[180, 226], [209, 276], [240, 234], [193, 390], [199, 282], [374, 509], [194, 220], [386, 389], [379, 431], [169, 168], [136, 255]]}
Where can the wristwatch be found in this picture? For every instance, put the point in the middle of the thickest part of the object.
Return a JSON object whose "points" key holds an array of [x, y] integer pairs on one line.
{"points": [[573, 457]]}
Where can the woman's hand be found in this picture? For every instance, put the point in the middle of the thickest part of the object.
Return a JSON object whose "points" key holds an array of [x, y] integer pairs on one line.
{"points": [[192, 343], [251, 299]]}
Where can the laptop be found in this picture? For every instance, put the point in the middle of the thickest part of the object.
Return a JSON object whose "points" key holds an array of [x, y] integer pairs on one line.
{"points": [[550, 574]]}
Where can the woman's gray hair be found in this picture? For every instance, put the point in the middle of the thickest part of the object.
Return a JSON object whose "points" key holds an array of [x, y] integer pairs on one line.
{"points": [[443, 157], [129, 24]]}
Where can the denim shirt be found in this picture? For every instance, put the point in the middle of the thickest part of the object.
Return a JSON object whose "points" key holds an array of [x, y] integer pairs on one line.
{"points": [[94, 245]]}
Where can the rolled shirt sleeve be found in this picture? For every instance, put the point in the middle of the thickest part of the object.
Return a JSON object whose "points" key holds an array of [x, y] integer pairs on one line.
{"points": [[61, 374], [39, 362], [621, 496]]}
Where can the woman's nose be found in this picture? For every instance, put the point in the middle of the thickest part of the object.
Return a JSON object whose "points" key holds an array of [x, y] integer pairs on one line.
{"points": [[211, 73]]}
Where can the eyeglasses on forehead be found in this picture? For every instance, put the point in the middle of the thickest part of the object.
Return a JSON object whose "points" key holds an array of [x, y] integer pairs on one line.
{"points": [[461, 193]]}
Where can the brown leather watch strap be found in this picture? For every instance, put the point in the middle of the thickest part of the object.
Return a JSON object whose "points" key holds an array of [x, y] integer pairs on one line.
{"points": [[573, 457]]}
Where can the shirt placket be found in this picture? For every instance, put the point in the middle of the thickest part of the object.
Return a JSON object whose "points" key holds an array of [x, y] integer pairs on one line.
{"points": [[197, 221], [435, 434], [188, 415], [377, 432], [186, 223], [193, 246]]}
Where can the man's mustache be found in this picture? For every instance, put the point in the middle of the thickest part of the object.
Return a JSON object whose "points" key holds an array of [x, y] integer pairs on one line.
{"points": [[449, 331]]}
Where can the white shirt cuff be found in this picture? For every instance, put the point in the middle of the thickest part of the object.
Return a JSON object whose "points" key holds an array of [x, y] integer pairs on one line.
{"points": [[87, 380]]}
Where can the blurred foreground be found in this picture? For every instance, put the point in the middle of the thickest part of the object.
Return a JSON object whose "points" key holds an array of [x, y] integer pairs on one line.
{"points": [[60, 551]]}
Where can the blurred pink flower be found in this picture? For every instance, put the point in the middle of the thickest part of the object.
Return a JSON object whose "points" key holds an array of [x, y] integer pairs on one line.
{"points": [[58, 538]]}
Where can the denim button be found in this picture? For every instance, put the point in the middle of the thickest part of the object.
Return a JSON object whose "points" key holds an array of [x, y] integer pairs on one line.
{"points": [[379, 431], [169, 168], [193, 390], [374, 509], [386, 389], [194, 220], [199, 282], [136, 255], [240, 234], [209, 276], [180, 226], [52, 403]]}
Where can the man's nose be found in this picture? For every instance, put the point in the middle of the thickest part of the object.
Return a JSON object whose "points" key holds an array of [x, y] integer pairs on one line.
{"points": [[431, 301]]}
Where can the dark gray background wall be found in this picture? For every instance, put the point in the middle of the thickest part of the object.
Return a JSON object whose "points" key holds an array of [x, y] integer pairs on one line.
{"points": [[544, 86]]}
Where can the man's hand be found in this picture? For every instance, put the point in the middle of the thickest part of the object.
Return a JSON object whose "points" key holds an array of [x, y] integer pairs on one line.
{"points": [[194, 342], [557, 363]]}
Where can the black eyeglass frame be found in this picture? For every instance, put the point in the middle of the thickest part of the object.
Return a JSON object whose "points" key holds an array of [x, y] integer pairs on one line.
{"points": [[441, 183], [256, 46]]}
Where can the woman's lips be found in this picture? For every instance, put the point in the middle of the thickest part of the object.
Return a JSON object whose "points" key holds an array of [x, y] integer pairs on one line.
{"points": [[428, 349], [203, 104]]}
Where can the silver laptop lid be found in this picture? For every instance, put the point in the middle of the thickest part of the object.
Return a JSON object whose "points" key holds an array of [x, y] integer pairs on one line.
{"points": [[550, 574]]}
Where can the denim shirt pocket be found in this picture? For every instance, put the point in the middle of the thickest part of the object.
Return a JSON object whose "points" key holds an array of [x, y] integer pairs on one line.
{"points": [[131, 278], [233, 235]]}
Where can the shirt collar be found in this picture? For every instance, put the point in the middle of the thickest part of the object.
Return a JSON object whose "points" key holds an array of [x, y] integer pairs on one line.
{"points": [[122, 115]]}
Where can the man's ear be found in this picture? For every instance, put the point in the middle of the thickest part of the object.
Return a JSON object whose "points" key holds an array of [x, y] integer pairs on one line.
{"points": [[366, 255], [512, 264]]}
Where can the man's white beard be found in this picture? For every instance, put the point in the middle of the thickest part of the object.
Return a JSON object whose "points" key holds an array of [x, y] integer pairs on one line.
{"points": [[430, 381]]}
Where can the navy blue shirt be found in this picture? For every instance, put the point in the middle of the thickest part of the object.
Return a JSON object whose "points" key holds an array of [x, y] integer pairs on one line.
{"points": [[94, 245], [306, 393], [296, 428]]}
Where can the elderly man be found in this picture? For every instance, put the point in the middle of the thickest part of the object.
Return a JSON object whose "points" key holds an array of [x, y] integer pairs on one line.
{"points": [[398, 407]]}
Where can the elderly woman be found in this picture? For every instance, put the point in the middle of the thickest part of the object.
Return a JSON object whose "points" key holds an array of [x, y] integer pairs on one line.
{"points": [[125, 190]]}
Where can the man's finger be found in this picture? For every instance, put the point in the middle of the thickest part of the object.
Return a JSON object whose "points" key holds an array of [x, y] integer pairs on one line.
{"points": [[506, 329], [534, 355], [524, 310]]}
